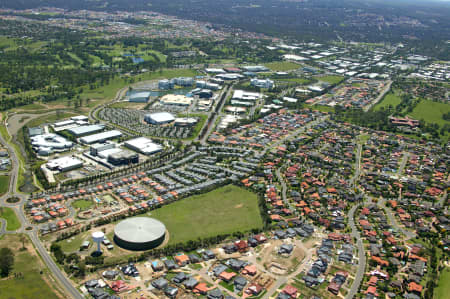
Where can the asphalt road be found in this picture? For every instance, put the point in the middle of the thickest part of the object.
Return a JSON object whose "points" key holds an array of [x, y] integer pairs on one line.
{"points": [[380, 96], [18, 207], [408, 234], [361, 254]]}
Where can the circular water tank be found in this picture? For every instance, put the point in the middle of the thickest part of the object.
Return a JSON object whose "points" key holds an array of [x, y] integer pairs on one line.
{"points": [[139, 233], [98, 237]]}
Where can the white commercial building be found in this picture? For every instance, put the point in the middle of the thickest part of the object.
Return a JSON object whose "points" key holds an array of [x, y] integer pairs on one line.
{"points": [[175, 99], [64, 164], [100, 137], [139, 97], [159, 118], [262, 83], [47, 143], [143, 145], [245, 95]]}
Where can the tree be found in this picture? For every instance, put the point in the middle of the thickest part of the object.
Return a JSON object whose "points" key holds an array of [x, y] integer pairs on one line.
{"points": [[6, 261]]}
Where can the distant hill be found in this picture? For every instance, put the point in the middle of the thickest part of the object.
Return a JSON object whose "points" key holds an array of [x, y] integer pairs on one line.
{"points": [[358, 20]]}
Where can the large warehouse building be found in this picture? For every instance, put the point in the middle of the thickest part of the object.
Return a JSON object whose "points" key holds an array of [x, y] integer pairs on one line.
{"points": [[100, 137], [64, 164], [139, 97], [176, 99], [143, 145], [139, 233], [85, 130], [159, 118]]}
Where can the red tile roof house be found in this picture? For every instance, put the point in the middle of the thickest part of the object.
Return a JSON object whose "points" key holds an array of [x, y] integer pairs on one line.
{"points": [[291, 291], [227, 276], [414, 287], [119, 286], [182, 260], [241, 245], [254, 289], [334, 287], [372, 290]]}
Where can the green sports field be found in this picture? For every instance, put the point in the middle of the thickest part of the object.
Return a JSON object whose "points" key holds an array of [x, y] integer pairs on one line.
{"points": [[280, 66], [225, 210]]}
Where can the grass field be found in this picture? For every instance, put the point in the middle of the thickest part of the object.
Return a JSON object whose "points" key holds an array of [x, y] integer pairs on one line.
{"points": [[27, 262], [71, 245], [82, 204], [330, 79], [322, 108], [443, 287], [12, 222], [282, 66], [50, 118], [224, 210], [4, 184], [390, 99], [431, 112]]}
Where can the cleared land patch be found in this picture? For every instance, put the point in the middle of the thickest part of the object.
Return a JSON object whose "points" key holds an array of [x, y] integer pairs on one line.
{"points": [[12, 222], [4, 184], [33, 284], [443, 288], [282, 66], [390, 99], [225, 210], [431, 112]]}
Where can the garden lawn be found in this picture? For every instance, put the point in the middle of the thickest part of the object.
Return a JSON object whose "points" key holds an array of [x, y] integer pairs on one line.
{"points": [[282, 66], [71, 245], [431, 112], [32, 284], [443, 288], [12, 222], [225, 210], [390, 99], [4, 184]]}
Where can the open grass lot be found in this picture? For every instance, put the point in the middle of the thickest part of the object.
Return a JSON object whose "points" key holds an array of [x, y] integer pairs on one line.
{"points": [[322, 108], [330, 79], [74, 243], [82, 204], [282, 66], [390, 99], [50, 118], [33, 284], [4, 184], [12, 222], [431, 112], [224, 210], [443, 289]]}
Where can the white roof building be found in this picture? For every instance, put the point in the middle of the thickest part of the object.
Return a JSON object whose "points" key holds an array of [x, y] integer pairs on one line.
{"points": [[159, 118], [100, 137], [143, 145], [64, 164]]}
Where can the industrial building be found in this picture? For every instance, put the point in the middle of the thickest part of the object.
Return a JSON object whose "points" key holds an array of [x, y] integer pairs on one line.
{"points": [[101, 137], [35, 131], [207, 85], [255, 68], [185, 121], [175, 99], [64, 164], [122, 157], [45, 144], [139, 233], [245, 95], [159, 118], [166, 84], [95, 148], [143, 145], [85, 130], [262, 83], [184, 81], [139, 97]]}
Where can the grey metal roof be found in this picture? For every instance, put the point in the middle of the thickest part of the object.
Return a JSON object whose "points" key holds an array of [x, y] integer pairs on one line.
{"points": [[140, 229]]}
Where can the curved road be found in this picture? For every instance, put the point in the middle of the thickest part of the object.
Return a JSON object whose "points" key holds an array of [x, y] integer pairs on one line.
{"points": [[70, 290], [361, 255]]}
